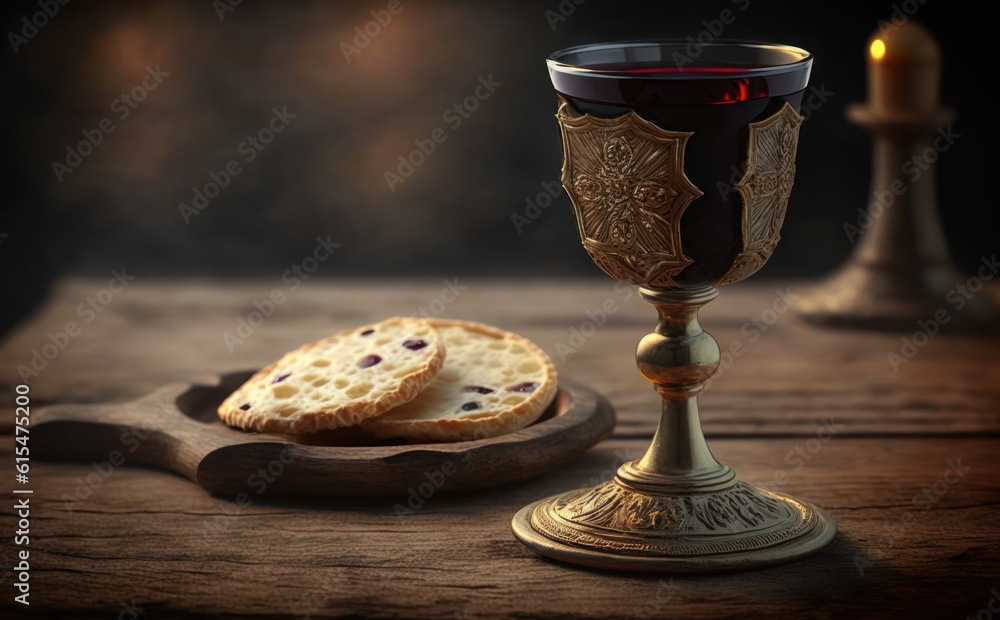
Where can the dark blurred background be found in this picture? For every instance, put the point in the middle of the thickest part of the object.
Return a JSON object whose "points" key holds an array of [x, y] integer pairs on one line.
{"points": [[324, 174]]}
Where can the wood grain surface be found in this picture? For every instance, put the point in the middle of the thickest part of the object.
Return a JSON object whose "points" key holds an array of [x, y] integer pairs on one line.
{"points": [[910, 543]]}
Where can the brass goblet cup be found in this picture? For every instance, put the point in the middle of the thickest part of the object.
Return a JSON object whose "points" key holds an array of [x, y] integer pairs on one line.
{"points": [[679, 170]]}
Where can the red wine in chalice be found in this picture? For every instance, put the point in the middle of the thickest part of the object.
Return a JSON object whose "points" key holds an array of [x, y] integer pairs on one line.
{"points": [[715, 96]]}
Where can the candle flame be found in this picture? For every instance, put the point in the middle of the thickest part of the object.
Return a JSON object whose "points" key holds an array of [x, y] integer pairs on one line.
{"points": [[878, 49]]}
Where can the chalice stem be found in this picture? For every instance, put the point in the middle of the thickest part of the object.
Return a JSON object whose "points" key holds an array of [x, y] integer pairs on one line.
{"points": [[678, 447], [678, 357]]}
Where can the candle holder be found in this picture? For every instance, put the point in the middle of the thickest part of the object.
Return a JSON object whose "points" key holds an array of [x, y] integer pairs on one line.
{"points": [[679, 171], [900, 271]]}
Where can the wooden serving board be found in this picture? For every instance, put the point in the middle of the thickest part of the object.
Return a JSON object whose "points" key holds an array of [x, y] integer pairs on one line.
{"points": [[176, 428]]}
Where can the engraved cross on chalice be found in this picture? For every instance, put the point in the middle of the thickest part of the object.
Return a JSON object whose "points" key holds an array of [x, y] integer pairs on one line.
{"points": [[651, 140]]}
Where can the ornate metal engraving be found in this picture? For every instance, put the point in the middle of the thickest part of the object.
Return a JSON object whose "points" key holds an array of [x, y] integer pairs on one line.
{"points": [[620, 508], [764, 189], [625, 178], [738, 519]]}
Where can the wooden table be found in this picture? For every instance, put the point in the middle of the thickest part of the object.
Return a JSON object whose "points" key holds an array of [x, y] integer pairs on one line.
{"points": [[149, 540]]}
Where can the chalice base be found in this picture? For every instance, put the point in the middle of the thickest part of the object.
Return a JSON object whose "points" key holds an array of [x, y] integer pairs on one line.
{"points": [[618, 526]]}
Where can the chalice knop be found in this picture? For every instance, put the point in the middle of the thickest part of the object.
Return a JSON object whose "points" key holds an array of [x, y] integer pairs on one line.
{"points": [[679, 167]]}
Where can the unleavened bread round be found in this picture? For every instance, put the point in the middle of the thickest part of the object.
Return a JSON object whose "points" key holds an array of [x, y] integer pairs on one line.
{"points": [[493, 382], [340, 380]]}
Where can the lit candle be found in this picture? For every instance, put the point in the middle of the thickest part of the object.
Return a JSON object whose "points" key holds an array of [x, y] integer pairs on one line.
{"points": [[904, 71]]}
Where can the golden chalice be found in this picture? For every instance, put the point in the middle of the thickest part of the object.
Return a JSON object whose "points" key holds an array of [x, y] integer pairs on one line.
{"points": [[679, 163]]}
